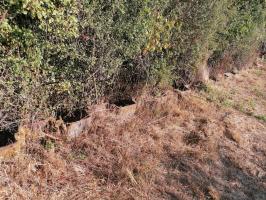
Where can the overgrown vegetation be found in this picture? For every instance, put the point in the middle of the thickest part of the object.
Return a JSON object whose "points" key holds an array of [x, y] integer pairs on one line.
{"points": [[65, 54]]}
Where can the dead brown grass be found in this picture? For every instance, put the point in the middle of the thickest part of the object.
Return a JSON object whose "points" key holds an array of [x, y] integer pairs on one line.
{"points": [[168, 146]]}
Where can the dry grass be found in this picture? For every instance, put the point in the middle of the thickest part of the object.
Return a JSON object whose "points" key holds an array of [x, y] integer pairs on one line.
{"points": [[169, 146]]}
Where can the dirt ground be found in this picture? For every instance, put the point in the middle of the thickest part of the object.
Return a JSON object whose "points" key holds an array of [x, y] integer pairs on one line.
{"points": [[205, 144]]}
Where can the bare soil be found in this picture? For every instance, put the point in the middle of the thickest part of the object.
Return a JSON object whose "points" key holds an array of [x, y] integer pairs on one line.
{"points": [[208, 144]]}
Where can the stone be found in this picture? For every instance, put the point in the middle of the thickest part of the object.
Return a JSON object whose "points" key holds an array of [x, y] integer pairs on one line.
{"points": [[76, 128]]}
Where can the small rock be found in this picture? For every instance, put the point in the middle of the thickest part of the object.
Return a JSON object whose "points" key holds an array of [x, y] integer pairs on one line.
{"points": [[76, 128], [228, 74], [79, 170], [235, 70]]}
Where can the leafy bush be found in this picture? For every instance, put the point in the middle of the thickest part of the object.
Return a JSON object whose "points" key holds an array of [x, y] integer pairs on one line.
{"points": [[239, 39], [65, 54]]}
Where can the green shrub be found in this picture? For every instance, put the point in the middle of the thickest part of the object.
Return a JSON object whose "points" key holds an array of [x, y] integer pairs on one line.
{"points": [[239, 39], [65, 54]]}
